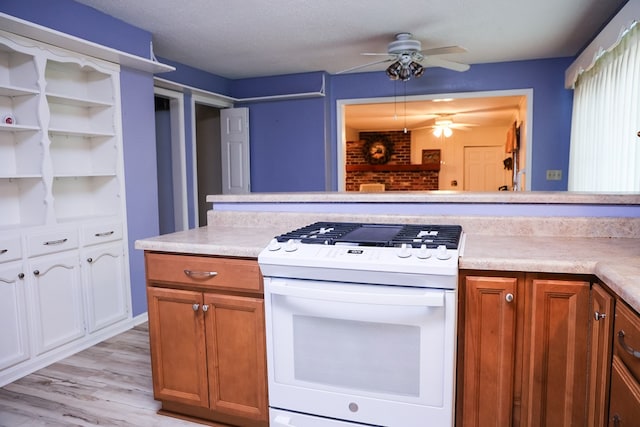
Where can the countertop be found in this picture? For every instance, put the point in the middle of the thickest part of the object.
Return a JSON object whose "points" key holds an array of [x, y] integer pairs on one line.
{"points": [[615, 261]]}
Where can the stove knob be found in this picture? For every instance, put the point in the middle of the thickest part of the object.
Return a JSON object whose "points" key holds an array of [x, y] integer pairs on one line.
{"points": [[441, 252], [274, 245], [404, 251], [290, 246], [423, 252]]}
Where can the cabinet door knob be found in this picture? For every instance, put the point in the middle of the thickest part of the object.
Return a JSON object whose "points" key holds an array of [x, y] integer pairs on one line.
{"points": [[509, 297], [36, 272], [205, 307], [195, 307], [599, 316], [89, 260], [20, 275]]}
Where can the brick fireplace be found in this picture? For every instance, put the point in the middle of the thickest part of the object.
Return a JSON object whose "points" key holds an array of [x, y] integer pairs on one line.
{"points": [[398, 174]]}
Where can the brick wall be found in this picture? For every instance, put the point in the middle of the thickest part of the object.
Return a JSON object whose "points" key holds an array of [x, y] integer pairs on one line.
{"points": [[393, 180]]}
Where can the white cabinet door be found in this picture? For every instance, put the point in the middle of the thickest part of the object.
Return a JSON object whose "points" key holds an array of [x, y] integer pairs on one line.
{"points": [[57, 311], [105, 284], [234, 128], [14, 345]]}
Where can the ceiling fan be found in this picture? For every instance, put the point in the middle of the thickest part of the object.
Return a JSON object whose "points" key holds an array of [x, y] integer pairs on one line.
{"points": [[443, 125], [409, 59]]}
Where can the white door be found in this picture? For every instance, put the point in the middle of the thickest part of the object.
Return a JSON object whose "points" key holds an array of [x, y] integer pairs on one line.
{"points": [[484, 168], [58, 316], [104, 278], [234, 128], [13, 333]]}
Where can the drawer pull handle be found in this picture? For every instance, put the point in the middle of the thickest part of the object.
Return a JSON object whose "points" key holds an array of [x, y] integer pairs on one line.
{"points": [[200, 274], [55, 242], [104, 234], [599, 316], [509, 297], [205, 307], [4, 251], [195, 307], [627, 348]]}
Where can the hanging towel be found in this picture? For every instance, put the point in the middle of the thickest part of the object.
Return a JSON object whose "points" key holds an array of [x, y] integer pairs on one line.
{"points": [[511, 140]]}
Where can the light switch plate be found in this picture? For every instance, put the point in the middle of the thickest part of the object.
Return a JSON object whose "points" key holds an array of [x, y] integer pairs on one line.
{"points": [[554, 175]]}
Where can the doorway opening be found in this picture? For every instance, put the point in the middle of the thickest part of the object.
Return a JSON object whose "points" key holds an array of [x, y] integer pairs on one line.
{"points": [[476, 118], [170, 161]]}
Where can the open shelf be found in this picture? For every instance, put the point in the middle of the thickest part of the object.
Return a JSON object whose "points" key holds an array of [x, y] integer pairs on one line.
{"points": [[92, 196], [21, 153], [22, 202], [24, 109], [72, 81], [82, 155], [17, 70]]}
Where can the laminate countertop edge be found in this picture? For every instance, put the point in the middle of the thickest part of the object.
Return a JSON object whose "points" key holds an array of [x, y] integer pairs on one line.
{"points": [[615, 261]]}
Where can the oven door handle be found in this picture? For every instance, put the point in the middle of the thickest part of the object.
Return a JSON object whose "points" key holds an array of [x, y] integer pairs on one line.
{"points": [[422, 298]]}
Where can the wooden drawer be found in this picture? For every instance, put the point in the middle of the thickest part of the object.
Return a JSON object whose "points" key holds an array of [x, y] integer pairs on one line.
{"points": [[204, 272], [628, 323], [624, 409]]}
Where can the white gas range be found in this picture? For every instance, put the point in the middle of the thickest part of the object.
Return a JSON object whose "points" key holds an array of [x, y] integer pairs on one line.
{"points": [[361, 324]]}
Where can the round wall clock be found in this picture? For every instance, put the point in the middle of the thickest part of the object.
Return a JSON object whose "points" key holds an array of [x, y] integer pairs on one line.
{"points": [[377, 150]]}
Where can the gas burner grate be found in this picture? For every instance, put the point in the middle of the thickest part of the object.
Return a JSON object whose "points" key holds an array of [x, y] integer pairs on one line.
{"points": [[430, 235], [319, 233], [388, 235]]}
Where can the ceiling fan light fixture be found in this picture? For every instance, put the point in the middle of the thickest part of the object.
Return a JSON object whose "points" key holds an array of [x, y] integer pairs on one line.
{"points": [[405, 74], [437, 131], [447, 132], [393, 71], [416, 69]]}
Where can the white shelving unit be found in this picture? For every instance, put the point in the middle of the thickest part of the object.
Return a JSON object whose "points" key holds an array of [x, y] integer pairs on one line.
{"points": [[62, 201]]}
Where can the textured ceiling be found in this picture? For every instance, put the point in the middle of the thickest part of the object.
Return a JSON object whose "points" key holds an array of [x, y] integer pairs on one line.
{"points": [[250, 38]]}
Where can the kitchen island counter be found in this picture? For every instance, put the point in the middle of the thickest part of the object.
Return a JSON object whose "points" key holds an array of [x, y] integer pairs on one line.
{"points": [[615, 261]]}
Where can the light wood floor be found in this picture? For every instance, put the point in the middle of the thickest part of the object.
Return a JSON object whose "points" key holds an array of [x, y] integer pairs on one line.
{"points": [[108, 384]]}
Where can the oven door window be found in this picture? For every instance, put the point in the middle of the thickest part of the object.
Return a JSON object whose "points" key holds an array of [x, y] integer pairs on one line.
{"points": [[379, 341]]}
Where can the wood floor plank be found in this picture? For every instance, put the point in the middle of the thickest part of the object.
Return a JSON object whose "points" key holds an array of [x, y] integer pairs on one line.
{"points": [[108, 384]]}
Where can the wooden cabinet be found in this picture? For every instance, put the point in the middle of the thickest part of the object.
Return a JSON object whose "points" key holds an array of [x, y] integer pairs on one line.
{"points": [[206, 326], [489, 349], [524, 350], [624, 407]]}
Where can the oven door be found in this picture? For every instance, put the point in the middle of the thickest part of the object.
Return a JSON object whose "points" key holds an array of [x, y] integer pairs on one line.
{"points": [[382, 355]]}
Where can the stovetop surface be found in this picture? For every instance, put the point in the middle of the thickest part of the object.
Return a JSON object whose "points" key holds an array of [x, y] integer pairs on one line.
{"points": [[382, 235]]}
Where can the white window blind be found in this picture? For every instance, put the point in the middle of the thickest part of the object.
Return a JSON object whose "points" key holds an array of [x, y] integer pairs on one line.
{"points": [[605, 148]]}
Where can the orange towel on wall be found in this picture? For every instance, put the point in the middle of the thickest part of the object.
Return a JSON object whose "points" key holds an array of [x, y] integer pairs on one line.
{"points": [[511, 140]]}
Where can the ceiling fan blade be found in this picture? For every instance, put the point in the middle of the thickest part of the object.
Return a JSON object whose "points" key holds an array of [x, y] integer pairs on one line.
{"points": [[357, 67], [443, 63], [443, 50], [377, 54]]}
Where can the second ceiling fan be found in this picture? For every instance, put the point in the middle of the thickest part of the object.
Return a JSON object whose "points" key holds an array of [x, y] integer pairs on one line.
{"points": [[409, 59]]}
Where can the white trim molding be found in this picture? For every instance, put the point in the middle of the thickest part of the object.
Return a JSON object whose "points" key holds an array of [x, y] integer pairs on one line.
{"points": [[607, 39]]}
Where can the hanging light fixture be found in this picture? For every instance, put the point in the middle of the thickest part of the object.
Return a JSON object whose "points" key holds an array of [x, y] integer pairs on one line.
{"points": [[404, 67], [443, 127]]}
